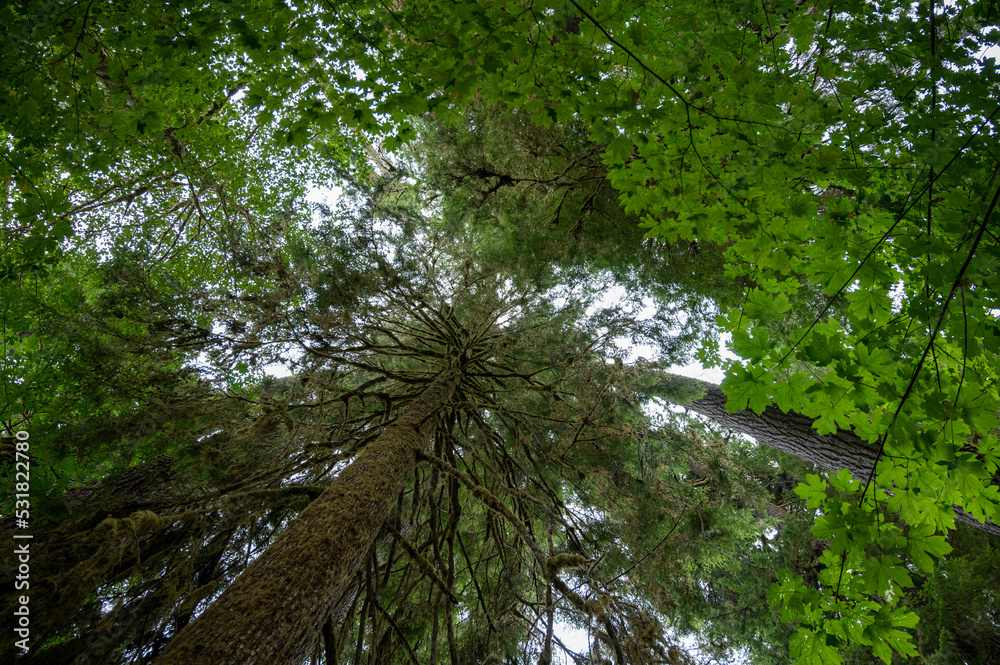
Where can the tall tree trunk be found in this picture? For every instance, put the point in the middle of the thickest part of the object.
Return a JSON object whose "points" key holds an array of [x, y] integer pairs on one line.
{"points": [[273, 613], [789, 432]]}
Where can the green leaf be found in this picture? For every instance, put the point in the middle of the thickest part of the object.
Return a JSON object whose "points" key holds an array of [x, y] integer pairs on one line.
{"points": [[619, 150], [811, 648], [790, 394], [885, 575], [831, 406], [766, 307], [921, 545], [885, 635], [822, 349], [867, 303], [744, 390], [813, 490], [876, 361], [844, 481], [754, 347]]}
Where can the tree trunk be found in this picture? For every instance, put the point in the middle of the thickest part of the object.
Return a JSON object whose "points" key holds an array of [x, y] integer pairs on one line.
{"points": [[789, 432], [273, 613]]}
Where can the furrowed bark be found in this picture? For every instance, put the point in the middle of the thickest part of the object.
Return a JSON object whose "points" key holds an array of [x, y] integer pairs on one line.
{"points": [[792, 433], [274, 612]]}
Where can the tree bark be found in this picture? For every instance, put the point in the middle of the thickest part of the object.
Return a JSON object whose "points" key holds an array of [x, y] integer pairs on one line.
{"points": [[273, 613], [789, 432]]}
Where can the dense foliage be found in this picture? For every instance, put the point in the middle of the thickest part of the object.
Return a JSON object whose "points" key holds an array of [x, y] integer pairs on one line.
{"points": [[822, 176]]}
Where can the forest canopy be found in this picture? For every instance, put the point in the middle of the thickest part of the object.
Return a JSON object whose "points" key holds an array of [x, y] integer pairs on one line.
{"points": [[466, 456]]}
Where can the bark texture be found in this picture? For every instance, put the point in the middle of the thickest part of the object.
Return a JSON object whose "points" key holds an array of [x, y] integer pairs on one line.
{"points": [[793, 433], [274, 612]]}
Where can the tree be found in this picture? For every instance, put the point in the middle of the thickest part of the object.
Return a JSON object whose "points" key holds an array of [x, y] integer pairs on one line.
{"points": [[794, 434], [829, 400], [158, 531], [151, 530], [326, 544], [817, 150], [126, 122], [697, 167], [536, 405]]}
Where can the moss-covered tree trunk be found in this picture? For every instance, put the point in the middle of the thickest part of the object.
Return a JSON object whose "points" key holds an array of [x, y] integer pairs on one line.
{"points": [[273, 613], [789, 432]]}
